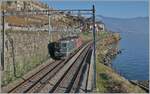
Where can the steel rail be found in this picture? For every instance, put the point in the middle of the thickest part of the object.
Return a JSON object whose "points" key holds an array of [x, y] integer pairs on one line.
{"points": [[140, 85], [39, 85], [36, 74], [63, 77], [28, 79], [35, 87], [73, 88]]}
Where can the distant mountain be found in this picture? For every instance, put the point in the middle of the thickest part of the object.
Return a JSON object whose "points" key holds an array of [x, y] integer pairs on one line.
{"points": [[138, 24]]}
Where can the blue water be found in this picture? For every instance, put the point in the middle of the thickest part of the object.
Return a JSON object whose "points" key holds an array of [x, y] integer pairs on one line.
{"points": [[133, 62]]}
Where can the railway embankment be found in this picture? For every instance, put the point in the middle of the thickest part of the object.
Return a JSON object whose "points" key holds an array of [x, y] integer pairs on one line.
{"points": [[108, 47], [108, 81]]}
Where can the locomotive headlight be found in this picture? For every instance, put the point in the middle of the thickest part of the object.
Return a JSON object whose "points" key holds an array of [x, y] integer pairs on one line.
{"points": [[61, 50]]}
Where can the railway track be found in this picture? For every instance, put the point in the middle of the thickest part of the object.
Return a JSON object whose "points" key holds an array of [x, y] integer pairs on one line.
{"points": [[27, 84], [82, 75], [68, 82], [65, 79], [60, 72], [140, 85]]}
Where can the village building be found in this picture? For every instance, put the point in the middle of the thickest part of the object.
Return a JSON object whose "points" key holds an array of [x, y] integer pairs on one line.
{"points": [[88, 26]]}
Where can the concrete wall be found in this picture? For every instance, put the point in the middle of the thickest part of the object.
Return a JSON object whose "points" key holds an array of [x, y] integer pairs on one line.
{"points": [[23, 52]]}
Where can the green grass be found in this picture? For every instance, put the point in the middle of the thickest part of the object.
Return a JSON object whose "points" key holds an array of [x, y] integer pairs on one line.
{"points": [[108, 81], [22, 67], [86, 36]]}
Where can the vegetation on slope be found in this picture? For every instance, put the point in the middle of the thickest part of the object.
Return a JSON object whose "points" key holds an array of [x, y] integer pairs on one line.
{"points": [[108, 81]]}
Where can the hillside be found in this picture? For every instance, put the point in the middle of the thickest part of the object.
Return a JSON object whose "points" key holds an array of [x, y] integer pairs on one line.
{"points": [[138, 24]]}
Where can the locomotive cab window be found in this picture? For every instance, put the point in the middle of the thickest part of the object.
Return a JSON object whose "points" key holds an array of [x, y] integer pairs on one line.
{"points": [[64, 45]]}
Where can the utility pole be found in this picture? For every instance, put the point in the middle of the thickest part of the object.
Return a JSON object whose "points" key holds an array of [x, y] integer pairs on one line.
{"points": [[94, 47], [3, 36], [49, 27]]}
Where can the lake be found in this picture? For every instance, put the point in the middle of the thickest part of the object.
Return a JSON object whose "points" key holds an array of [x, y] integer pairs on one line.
{"points": [[133, 62]]}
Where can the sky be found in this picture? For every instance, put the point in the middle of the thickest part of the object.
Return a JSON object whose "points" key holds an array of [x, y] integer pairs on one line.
{"points": [[117, 9]]}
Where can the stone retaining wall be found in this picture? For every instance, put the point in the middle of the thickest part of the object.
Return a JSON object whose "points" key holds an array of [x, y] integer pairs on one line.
{"points": [[23, 52]]}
